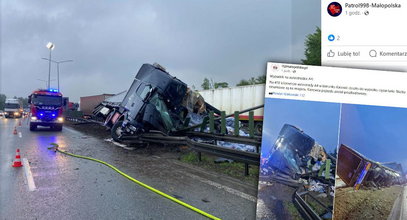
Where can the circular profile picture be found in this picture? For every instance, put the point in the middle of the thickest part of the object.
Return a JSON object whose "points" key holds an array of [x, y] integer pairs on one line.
{"points": [[334, 9]]}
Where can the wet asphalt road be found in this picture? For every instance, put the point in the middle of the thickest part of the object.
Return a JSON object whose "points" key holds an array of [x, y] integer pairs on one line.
{"points": [[73, 188]]}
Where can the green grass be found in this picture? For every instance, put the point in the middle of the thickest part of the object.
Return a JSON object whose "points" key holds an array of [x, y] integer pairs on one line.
{"points": [[234, 169], [292, 210]]}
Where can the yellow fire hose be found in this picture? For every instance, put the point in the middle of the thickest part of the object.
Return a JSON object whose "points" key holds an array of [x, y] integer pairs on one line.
{"points": [[55, 148]]}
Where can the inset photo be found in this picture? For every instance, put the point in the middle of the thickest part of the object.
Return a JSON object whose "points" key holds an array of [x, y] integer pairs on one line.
{"points": [[298, 160], [370, 181]]}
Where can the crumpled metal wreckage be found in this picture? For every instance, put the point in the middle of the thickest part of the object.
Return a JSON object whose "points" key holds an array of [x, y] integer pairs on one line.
{"points": [[158, 101], [297, 160]]}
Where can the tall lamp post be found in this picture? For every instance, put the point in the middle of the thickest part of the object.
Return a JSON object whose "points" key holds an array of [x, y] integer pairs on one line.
{"points": [[57, 62], [50, 46]]}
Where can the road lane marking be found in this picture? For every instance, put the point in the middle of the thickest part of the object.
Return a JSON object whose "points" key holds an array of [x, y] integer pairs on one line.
{"points": [[186, 205], [29, 175], [20, 135], [223, 187]]}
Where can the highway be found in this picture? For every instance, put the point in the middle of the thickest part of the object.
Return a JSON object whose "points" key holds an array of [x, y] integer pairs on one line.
{"points": [[399, 210], [55, 186]]}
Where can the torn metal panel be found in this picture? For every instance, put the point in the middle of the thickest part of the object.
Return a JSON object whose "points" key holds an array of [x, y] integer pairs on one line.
{"points": [[194, 102]]}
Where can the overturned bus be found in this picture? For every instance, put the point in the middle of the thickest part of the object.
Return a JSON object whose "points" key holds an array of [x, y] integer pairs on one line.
{"points": [[356, 170], [297, 161], [295, 154], [155, 101]]}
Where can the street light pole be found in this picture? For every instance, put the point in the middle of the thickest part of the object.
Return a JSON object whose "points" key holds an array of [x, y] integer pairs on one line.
{"points": [[49, 71], [58, 75], [50, 46], [57, 62]]}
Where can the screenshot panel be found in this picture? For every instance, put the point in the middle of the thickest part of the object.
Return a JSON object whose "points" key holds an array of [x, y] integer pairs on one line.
{"points": [[332, 142], [364, 34]]}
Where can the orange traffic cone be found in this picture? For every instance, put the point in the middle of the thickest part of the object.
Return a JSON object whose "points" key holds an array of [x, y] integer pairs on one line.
{"points": [[15, 130], [17, 161], [19, 123]]}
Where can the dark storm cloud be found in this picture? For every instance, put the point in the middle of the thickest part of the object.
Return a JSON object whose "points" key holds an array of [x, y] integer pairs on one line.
{"points": [[109, 40]]}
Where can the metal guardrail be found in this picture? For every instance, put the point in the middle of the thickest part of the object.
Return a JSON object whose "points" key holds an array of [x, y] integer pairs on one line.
{"points": [[187, 135], [306, 210], [238, 155], [80, 121]]}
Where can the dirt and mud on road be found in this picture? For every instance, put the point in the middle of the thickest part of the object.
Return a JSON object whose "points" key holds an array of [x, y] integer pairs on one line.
{"points": [[275, 201], [365, 203]]}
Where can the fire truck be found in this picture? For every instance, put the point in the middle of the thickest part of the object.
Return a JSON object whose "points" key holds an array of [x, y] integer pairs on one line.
{"points": [[46, 109]]}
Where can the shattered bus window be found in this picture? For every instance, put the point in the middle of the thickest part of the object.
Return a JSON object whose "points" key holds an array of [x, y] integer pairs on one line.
{"points": [[298, 169], [289, 152]]}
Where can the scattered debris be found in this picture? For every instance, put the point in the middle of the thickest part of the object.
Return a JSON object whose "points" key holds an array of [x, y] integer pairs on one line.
{"points": [[297, 160]]}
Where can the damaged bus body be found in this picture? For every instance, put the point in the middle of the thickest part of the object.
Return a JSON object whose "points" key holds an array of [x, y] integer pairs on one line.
{"points": [[155, 101], [159, 108], [297, 160], [295, 155], [356, 170]]}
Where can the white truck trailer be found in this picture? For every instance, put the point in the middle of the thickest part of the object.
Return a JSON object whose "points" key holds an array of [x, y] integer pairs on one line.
{"points": [[236, 99]]}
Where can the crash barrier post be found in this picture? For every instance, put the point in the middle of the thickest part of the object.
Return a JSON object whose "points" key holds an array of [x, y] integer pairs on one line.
{"points": [[223, 122], [246, 169], [328, 169], [199, 156], [204, 123], [236, 116], [186, 205], [321, 169], [325, 167], [251, 124], [186, 123], [211, 122], [251, 134]]}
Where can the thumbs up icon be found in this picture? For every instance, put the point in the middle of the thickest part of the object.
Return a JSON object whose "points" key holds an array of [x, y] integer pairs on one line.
{"points": [[331, 53]]}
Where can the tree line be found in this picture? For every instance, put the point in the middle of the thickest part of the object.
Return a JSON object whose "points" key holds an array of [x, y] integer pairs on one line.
{"points": [[312, 57], [210, 84]]}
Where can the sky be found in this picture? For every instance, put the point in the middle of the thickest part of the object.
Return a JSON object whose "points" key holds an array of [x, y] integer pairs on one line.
{"points": [[110, 40], [319, 120], [378, 133]]}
